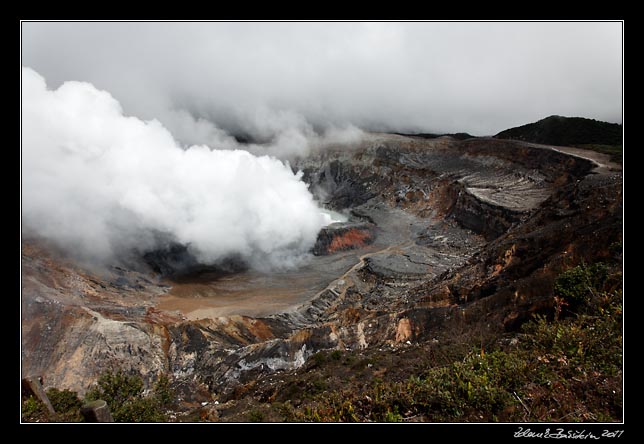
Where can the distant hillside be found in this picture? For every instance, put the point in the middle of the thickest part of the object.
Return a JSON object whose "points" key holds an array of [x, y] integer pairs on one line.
{"points": [[566, 131]]}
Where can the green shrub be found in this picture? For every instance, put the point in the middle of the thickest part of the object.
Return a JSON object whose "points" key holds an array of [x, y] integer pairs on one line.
{"points": [[33, 410], [616, 249], [116, 388], [319, 358], [140, 409], [579, 285], [393, 416], [124, 395], [588, 343], [66, 404], [163, 392], [256, 416], [318, 385]]}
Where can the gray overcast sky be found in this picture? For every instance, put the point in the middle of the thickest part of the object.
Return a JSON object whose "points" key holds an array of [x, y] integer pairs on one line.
{"points": [[257, 77]]}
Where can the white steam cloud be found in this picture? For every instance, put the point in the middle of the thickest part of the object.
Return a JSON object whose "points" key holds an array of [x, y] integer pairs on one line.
{"points": [[286, 134], [100, 183]]}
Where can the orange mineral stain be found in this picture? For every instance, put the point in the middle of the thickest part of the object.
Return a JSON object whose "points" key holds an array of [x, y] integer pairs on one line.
{"points": [[353, 238]]}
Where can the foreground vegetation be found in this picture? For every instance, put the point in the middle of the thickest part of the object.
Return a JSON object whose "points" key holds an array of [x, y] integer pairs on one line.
{"points": [[567, 368], [123, 392], [564, 367]]}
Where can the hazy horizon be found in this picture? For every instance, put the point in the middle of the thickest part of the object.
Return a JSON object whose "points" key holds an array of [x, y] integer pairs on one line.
{"points": [[206, 79]]}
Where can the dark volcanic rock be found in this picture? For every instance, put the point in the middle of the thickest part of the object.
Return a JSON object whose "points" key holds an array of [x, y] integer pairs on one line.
{"points": [[338, 185], [175, 260]]}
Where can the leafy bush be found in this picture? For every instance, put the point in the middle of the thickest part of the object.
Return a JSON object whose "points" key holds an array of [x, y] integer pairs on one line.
{"points": [[116, 388], [124, 395], [393, 416], [66, 404], [163, 393], [139, 409], [581, 284], [256, 416], [587, 343], [33, 410], [319, 358]]}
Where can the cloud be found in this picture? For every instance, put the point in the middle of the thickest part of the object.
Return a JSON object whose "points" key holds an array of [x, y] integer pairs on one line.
{"points": [[206, 81], [102, 185]]}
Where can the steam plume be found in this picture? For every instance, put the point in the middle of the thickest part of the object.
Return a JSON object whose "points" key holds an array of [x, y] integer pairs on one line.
{"points": [[102, 184]]}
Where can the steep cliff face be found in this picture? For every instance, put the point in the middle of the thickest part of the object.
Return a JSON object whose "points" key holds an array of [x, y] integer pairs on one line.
{"points": [[444, 235], [471, 209]]}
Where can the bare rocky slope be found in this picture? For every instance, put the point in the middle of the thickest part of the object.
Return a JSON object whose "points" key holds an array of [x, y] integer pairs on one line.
{"points": [[444, 235]]}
